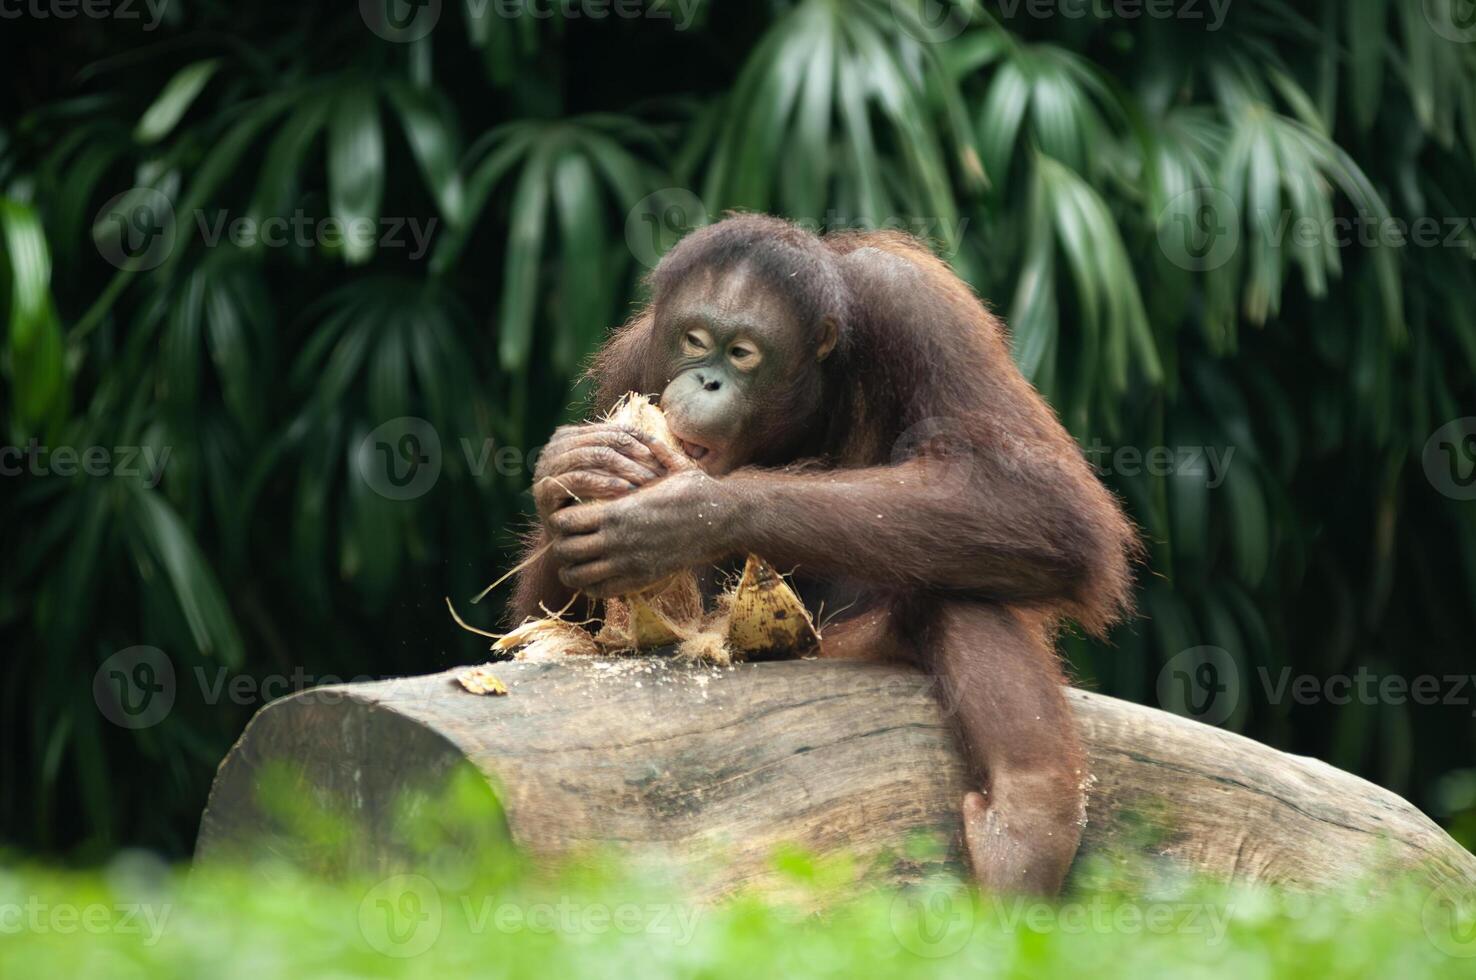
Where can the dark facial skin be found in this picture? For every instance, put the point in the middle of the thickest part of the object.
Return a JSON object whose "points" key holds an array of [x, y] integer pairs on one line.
{"points": [[962, 565], [742, 378], [741, 384]]}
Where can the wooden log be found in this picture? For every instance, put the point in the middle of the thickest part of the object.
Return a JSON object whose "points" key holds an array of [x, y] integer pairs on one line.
{"points": [[709, 769]]}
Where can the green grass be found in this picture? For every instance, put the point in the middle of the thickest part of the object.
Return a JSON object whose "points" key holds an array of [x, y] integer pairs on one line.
{"points": [[477, 905], [140, 917]]}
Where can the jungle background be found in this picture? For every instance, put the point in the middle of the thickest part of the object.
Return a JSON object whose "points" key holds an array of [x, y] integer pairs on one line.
{"points": [[288, 444]]}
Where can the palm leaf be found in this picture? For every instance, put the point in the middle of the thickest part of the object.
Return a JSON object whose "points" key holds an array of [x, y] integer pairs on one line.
{"points": [[356, 169]]}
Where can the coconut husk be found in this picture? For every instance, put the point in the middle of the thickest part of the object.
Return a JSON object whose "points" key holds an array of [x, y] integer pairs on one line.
{"points": [[759, 618], [547, 639], [481, 680], [765, 618]]}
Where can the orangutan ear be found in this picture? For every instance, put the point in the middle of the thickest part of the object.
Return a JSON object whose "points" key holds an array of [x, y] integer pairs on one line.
{"points": [[829, 335]]}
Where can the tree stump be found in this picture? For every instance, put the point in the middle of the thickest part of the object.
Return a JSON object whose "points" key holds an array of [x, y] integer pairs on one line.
{"points": [[708, 770]]}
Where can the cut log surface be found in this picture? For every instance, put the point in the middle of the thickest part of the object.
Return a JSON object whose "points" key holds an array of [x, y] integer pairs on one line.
{"points": [[709, 769]]}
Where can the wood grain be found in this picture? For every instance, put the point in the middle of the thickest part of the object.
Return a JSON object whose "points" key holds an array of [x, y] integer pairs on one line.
{"points": [[706, 770]]}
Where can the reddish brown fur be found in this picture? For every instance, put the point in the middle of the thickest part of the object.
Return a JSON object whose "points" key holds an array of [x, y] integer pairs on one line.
{"points": [[968, 577]]}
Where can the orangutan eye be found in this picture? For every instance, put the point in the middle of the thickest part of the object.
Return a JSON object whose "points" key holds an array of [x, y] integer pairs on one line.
{"points": [[744, 356], [696, 342]]}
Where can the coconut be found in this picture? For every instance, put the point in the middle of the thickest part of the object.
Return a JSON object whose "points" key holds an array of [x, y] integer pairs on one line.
{"points": [[760, 618]]}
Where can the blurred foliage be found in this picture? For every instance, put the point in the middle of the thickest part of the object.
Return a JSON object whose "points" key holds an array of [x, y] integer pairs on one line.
{"points": [[490, 909], [136, 919], [546, 161]]}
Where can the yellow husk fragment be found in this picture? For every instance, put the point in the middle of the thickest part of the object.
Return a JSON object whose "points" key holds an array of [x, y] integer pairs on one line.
{"points": [[640, 622], [761, 618], [481, 680], [765, 616]]}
